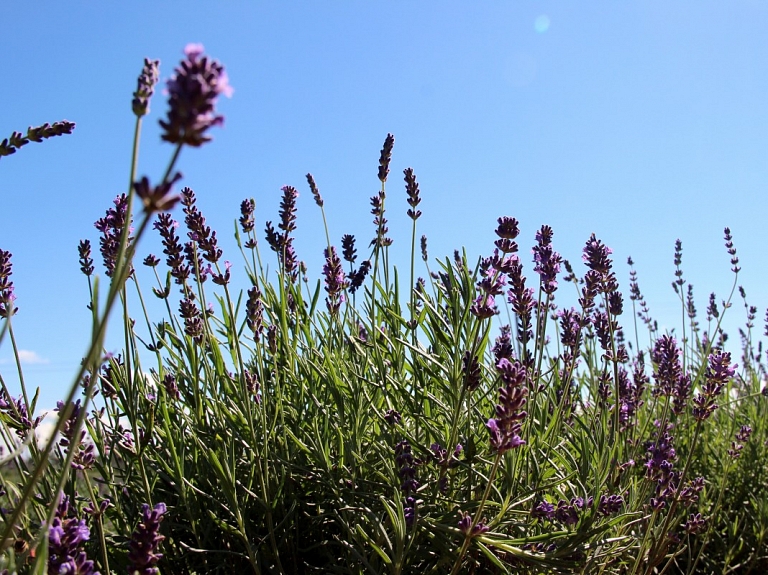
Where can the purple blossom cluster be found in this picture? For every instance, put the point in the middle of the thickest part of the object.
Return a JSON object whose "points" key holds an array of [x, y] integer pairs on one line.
{"points": [[470, 370], [37, 134], [505, 427], [547, 261], [491, 284], [406, 470], [659, 464], [282, 243], [719, 372], [85, 452], [145, 541], [86, 262], [66, 537], [742, 436], [17, 414], [412, 189], [172, 248], [193, 91], [145, 88], [254, 311], [111, 227], [335, 280], [469, 529], [315, 192], [7, 297]]}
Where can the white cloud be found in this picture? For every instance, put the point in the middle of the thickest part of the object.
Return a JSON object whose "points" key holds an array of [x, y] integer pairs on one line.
{"points": [[30, 357]]}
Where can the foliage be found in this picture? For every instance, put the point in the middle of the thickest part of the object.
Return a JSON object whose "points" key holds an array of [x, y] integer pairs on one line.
{"points": [[370, 424]]}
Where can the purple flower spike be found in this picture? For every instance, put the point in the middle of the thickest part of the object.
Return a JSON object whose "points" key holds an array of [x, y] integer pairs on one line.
{"points": [[157, 198], [544, 510], [335, 281], [547, 260], [412, 189], [111, 228], [146, 539], [386, 157], [507, 230], [505, 428], [719, 371], [466, 527], [146, 87], [66, 536], [314, 190], [192, 94], [247, 208], [407, 471], [7, 297]]}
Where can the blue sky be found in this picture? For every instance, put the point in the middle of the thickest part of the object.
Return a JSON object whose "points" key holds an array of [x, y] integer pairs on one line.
{"points": [[643, 122]]}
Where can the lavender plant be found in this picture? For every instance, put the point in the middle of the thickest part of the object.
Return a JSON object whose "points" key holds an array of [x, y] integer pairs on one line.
{"points": [[252, 428]]}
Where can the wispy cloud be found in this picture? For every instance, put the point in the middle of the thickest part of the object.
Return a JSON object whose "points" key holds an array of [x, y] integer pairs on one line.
{"points": [[29, 357]]}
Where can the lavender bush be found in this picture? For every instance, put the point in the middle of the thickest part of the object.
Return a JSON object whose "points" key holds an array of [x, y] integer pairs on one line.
{"points": [[354, 424]]}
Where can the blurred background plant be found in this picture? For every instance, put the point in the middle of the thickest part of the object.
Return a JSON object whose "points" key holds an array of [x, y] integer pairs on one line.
{"points": [[366, 423]]}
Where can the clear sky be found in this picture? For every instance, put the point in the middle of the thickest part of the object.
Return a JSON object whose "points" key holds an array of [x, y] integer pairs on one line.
{"points": [[641, 121]]}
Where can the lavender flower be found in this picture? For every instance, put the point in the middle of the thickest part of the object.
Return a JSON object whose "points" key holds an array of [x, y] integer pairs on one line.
{"points": [[145, 87], [254, 312], [412, 189], [17, 414], [86, 262], [199, 232], [314, 190], [407, 473], [424, 248], [502, 347], [466, 527], [252, 384], [490, 285], [741, 438], [505, 428], [9, 145], [661, 455], [171, 387], [470, 369], [348, 248], [377, 209], [66, 537], [172, 248], [392, 417], [668, 372], [358, 277], [335, 281], [7, 297], [690, 493], [193, 323], [146, 538], [610, 504], [522, 301], [282, 244], [695, 524], [596, 256], [543, 510], [192, 94], [719, 371], [111, 227], [566, 513], [731, 251], [247, 208], [386, 156], [157, 198], [547, 260], [507, 230]]}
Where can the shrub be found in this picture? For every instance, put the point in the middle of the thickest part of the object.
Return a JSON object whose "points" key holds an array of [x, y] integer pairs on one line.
{"points": [[361, 424]]}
